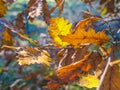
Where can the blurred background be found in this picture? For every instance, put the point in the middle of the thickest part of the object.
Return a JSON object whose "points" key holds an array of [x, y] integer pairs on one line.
{"points": [[16, 77]]}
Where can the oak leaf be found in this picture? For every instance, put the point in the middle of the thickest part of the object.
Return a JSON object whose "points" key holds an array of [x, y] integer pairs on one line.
{"points": [[34, 56], [63, 35], [66, 74], [59, 26], [85, 22], [67, 70], [83, 37]]}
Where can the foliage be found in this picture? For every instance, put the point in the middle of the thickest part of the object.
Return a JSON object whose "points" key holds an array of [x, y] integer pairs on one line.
{"points": [[80, 52]]}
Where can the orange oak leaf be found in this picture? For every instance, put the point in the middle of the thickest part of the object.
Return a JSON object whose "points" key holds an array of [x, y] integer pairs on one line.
{"points": [[84, 23], [86, 67], [56, 82], [66, 74], [82, 37], [70, 72], [75, 66]]}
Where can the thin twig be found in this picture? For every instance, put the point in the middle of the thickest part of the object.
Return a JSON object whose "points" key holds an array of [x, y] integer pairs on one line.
{"points": [[114, 62], [104, 73]]}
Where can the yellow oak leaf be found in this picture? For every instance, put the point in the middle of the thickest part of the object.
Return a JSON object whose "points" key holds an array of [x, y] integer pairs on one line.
{"points": [[83, 37], [59, 26], [3, 8], [89, 81]]}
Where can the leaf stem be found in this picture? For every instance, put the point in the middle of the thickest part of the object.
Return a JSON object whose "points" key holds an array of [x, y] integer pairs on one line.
{"points": [[114, 62]]}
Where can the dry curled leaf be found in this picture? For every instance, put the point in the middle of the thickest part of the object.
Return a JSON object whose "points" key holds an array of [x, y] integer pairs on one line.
{"points": [[33, 56], [34, 8], [66, 74], [66, 57]]}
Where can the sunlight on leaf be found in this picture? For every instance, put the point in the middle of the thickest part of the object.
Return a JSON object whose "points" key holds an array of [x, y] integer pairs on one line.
{"points": [[89, 81], [25, 57], [83, 37], [59, 26]]}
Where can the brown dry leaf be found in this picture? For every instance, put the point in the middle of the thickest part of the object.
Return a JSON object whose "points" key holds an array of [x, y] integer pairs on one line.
{"points": [[60, 54], [84, 23], [33, 56], [70, 72], [80, 52], [82, 37], [71, 55], [56, 81], [95, 59], [60, 4], [7, 37], [3, 8], [8, 40], [67, 70], [92, 62], [20, 23], [66, 74], [112, 79], [67, 57], [46, 12], [34, 9]]}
